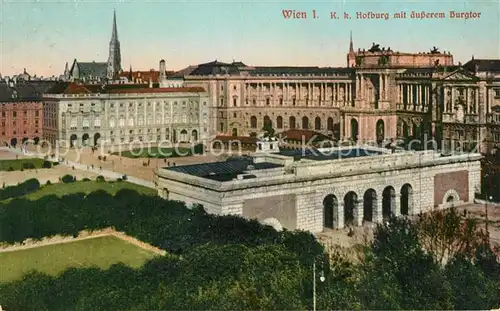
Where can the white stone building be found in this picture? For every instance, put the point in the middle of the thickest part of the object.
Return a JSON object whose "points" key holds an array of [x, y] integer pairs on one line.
{"points": [[120, 114], [315, 191]]}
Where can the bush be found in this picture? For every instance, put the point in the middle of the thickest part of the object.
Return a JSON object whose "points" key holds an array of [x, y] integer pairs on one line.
{"points": [[67, 179], [100, 178], [48, 182], [118, 179], [124, 177], [47, 164], [28, 166], [10, 169], [86, 179], [199, 149], [21, 189]]}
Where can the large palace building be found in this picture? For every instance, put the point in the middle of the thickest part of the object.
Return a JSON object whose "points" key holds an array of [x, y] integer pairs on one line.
{"points": [[382, 94]]}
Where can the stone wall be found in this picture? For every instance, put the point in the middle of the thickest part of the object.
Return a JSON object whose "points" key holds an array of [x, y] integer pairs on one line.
{"points": [[281, 207], [458, 181]]}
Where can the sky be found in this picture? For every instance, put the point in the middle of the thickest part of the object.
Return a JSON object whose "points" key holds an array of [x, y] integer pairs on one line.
{"points": [[42, 35]]}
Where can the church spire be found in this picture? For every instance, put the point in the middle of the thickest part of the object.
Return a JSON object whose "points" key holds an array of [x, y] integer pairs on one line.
{"points": [[351, 46], [114, 59]]}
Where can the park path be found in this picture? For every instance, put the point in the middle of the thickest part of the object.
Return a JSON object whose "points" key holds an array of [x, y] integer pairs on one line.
{"points": [[84, 167]]}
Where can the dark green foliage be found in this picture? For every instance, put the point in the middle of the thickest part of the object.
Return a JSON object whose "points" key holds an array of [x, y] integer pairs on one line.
{"points": [[199, 149], [47, 164], [67, 179], [100, 178], [19, 164], [85, 179], [229, 263], [21, 189], [48, 182]]}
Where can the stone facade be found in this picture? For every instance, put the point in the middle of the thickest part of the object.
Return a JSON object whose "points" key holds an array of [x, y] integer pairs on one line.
{"points": [[93, 115], [316, 195], [388, 95]]}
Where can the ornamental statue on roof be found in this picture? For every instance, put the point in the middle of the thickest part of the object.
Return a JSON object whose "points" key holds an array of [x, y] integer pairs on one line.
{"points": [[375, 48], [435, 50]]}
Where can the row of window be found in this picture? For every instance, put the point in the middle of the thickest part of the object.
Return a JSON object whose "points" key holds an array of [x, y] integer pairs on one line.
{"points": [[25, 113], [14, 123], [15, 132], [292, 123]]}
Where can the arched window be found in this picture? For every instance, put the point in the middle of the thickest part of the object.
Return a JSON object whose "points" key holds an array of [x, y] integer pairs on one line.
{"points": [[317, 123], [253, 122], [184, 118], [235, 101], [267, 121], [122, 121], [150, 120], [112, 123], [130, 121], [140, 120], [85, 123], [329, 124], [291, 122], [279, 122], [305, 123], [97, 122]]}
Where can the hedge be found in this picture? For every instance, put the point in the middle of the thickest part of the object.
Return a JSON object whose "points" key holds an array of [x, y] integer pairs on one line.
{"points": [[26, 187]]}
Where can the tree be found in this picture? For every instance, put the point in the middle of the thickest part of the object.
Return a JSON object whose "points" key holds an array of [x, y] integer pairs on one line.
{"points": [[268, 129], [446, 233]]}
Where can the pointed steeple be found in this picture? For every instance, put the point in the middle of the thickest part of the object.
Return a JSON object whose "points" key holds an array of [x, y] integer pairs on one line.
{"points": [[351, 46], [114, 32], [114, 59]]}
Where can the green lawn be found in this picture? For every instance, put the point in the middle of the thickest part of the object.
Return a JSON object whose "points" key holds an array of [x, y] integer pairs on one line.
{"points": [[54, 259], [155, 152], [61, 189], [16, 165]]}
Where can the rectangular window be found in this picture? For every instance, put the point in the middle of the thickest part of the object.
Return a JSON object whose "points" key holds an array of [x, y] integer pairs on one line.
{"points": [[14, 114], [222, 127], [36, 113]]}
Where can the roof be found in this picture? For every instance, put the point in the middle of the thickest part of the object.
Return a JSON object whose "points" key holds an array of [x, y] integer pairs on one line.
{"points": [[152, 75], [77, 88], [333, 154], [223, 171], [87, 69], [235, 68], [300, 135], [24, 90], [158, 90], [242, 139], [491, 65]]}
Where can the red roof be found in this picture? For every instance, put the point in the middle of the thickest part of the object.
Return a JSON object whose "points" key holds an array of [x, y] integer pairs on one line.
{"points": [[299, 135], [158, 90], [242, 139], [74, 88]]}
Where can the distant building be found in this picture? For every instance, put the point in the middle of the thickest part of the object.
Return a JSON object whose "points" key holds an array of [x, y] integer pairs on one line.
{"points": [[88, 115], [98, 72], [381, 95], [21, 111]]}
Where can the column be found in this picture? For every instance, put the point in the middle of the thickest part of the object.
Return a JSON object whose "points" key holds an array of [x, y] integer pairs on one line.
{"points": [[381, 87], [386, 86], [445, 98], [377, 209], [408, 101], [358, 86], [401, 93], [396, 204], [452, 98], [358, 213], [362, 87], [340, 215]]}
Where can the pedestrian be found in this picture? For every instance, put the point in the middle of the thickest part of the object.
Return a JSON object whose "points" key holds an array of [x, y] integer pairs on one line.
{"points": [[73, 167], [164, 160], [92, 166], [100, 167]]}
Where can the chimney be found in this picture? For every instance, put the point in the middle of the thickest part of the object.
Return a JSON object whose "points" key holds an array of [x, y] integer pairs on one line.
{"points": [[163, 69]]}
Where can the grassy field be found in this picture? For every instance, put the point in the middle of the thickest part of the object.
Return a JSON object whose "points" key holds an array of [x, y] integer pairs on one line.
{"points": [[155, 152], [61, 189], [54, 259], [17, 165]]}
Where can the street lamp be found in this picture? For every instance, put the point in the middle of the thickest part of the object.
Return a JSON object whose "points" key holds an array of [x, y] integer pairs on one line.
{"points": [[321, 278]]}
